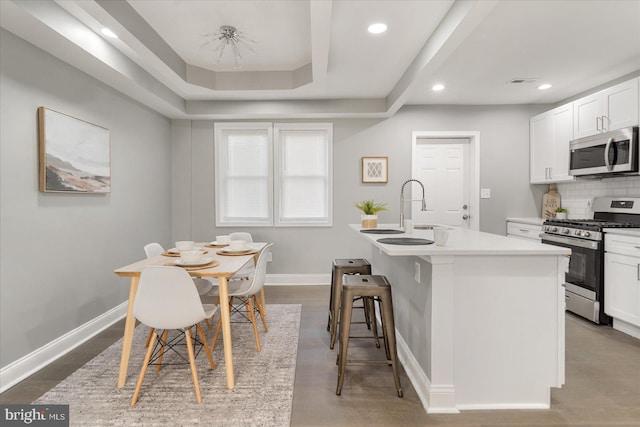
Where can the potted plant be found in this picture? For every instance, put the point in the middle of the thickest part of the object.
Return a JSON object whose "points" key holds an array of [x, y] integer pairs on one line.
{"points": [[370, 211], [561, 213]]}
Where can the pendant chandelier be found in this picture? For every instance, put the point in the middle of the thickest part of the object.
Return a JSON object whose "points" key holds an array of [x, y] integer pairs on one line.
{"points": [[231, 40]]}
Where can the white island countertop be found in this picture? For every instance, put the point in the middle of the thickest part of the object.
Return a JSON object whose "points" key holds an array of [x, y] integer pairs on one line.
{"points": [[461, 242]]}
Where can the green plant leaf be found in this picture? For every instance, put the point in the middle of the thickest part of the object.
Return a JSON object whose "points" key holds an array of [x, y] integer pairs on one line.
{"points": [[369, 207]]}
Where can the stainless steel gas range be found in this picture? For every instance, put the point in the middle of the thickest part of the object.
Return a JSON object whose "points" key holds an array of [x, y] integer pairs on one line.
{"points": [[584, 281]]}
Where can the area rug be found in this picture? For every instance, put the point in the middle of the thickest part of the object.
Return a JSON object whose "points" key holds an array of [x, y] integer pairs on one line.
{"points": [[262, 396]]}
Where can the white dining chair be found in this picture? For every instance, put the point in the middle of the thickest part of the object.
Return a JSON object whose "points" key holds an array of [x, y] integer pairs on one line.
{"points": [[202, 285], [241, 235], [167, 299], [247, 290]]}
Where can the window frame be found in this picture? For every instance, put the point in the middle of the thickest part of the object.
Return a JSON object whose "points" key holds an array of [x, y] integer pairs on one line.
{"points": [[327, 128], [219, 129], [274, 173]]}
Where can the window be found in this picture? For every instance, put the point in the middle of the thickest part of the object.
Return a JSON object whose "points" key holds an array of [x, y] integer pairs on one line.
{"points": [[278, 174]]}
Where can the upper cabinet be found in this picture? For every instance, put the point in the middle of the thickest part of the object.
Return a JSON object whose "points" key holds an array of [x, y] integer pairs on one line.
{"points": [[550, 133], [610, 109]]}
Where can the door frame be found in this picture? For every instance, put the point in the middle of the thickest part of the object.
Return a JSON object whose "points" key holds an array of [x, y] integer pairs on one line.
{"points": [[473, 171]]}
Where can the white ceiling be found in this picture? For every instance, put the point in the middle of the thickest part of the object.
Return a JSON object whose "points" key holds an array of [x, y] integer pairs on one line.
{"points": [[316, 59]]}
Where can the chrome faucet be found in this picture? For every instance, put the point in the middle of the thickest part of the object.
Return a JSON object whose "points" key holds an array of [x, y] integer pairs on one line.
{"points": [[424, 203]]}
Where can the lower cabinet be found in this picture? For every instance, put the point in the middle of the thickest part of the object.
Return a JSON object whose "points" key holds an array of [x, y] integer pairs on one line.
{"points": [[622, 278], [524, 230]]}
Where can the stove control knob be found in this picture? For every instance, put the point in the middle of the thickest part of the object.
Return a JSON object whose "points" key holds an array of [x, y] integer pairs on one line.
{"points": [[586, 234], [554, 229], [577, 232], [566, 231]]}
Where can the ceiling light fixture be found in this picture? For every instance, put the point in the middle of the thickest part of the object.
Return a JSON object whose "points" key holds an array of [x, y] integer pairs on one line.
{"points": [[377, 28], [230, 37], [107, 32], [544, 86], [438, 87]]}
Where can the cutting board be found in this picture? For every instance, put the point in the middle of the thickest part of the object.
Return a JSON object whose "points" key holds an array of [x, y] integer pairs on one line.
{"points": [[550, 202]]}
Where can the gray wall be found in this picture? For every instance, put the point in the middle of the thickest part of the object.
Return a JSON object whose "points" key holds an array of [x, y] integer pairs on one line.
{"points": [[504, 167], [58, 251]]}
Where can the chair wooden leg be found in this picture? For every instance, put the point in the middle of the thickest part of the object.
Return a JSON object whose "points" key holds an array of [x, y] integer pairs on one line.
{"points": [[163, 341], [143, 371], [192, 363], [262, 312], [207, 350], [208, 324], [216, 334], [263, 302], [146, 343], [252, 317]]}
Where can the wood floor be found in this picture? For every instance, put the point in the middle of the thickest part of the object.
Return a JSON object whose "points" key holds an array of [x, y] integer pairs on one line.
{"points": [[602, 378]]}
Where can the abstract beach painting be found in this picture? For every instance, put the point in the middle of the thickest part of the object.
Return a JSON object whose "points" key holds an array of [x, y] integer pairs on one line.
{"points": [[75, 155]]}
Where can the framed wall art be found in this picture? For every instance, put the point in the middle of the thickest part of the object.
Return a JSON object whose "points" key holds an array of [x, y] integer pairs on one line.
{"points": [[75, 155], [375, 169]]}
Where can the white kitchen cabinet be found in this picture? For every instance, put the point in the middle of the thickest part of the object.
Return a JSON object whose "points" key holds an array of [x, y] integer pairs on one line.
{"points": [[622, 281], [527, 229], [550, 133], [610, 109]]}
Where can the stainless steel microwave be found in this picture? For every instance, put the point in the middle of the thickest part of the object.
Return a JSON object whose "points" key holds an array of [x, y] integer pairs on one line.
{"points": [[611, 153]]}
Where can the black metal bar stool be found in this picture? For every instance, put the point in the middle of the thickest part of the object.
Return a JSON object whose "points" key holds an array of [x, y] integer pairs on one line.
{"points": [[379, 288], [341, 267]]}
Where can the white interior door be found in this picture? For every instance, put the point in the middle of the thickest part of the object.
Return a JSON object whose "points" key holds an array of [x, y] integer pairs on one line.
{"points": [[442, 165]]}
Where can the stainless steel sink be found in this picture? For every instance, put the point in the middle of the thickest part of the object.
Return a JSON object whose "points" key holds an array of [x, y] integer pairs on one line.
{"points": [[381, 231], [429, 227], [423, 227], [405, 241]]}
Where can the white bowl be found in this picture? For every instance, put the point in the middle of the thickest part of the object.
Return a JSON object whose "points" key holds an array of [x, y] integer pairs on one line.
{"points": [[237, 245], [184, 245], [223, 239], [191, 257]]}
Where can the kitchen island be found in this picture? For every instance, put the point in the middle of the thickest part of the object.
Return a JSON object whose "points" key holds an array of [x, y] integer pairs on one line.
{"points": [[479, 321]]}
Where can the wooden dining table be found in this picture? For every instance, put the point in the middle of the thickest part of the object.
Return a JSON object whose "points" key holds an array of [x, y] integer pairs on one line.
{"points": [[227, 267]]}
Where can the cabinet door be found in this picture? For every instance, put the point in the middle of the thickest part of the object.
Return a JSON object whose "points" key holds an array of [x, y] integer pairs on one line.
{"points": [[562, 118], [587, 116], [622, 288], [541, 147], [620, 106]]}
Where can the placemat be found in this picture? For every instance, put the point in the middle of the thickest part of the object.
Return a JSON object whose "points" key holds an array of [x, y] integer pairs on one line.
{"points": [[197, 267], [177, 254], [249, 252]]}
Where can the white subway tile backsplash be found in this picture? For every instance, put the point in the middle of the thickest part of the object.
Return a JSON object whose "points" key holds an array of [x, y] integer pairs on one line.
{"points": [[577, 196]]}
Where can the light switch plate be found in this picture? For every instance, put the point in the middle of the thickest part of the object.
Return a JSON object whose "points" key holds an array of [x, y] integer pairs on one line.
{"points": [[485, 193]]}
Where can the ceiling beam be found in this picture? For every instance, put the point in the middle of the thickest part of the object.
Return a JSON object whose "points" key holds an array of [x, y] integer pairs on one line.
{"points": [[459, 22]]}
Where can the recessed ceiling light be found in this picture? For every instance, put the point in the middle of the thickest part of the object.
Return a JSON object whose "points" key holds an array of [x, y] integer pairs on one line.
{"points": [[107, 32], [377, 28], [544, 86], [438, 87]]}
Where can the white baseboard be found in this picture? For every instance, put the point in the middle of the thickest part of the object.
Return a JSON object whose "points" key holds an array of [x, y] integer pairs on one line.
{"points": [[36, 360], [298, 279]]}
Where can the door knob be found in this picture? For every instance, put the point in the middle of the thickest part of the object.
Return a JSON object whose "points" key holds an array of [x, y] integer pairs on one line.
{"points": [[465, 216]]}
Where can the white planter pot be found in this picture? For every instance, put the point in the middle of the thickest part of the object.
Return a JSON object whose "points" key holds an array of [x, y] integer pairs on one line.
{"points": [[561, 215], [369, 221]]}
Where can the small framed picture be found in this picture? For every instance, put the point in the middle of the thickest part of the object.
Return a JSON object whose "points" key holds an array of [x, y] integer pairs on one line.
{"points": [[375, 169]]}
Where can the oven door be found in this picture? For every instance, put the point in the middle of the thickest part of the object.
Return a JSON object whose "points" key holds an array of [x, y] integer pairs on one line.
{"points": [[585, 263]]}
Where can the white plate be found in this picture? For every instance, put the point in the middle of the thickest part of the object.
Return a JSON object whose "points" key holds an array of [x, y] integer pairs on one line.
{"points": [[195, 248], [235, 251], [216, 243], [203, 261]]}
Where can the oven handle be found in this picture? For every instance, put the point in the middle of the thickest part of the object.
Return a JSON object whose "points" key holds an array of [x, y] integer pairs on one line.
{"points": [[606, 154], [570, 241]]}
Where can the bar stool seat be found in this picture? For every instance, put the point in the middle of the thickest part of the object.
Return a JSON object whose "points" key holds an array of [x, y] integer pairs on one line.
{"points": [[379, 288], [340, 267]]}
